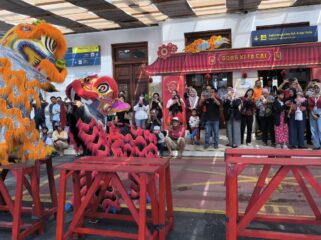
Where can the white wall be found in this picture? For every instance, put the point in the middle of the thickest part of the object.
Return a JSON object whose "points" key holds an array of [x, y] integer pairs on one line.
{"points": [[241, 24], [152, 35]]}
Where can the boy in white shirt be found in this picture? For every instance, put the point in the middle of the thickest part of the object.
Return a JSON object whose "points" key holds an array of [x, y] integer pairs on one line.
{"points": [[160, 139], [194, 122]]}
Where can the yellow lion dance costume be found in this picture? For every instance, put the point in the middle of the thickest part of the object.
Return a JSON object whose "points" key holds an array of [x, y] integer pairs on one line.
{"points": [[30, 59]]}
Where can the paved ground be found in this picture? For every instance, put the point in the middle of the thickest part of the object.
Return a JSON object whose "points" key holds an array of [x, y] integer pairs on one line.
{"points": [[199, 200]]}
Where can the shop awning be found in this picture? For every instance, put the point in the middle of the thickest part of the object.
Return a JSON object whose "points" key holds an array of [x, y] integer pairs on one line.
{"points": [[228, 60]]}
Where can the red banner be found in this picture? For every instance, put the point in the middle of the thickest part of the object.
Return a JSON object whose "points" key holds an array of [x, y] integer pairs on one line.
{"points": [[276, 57], [170, 83], [316, 73]]}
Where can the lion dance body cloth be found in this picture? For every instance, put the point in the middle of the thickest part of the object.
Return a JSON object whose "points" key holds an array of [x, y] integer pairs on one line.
{"points": [[97, 98], [30, 60]]}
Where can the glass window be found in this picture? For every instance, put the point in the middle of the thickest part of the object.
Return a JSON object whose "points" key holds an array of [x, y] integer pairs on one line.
{"points": [[124, 54], [131, 54]]}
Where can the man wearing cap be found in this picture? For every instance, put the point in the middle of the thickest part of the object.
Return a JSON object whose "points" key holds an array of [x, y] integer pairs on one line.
{"points": [[160, 139], [175, 139]]}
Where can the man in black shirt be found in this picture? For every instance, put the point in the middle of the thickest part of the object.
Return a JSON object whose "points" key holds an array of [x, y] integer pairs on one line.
{"points": [[211, 102]]}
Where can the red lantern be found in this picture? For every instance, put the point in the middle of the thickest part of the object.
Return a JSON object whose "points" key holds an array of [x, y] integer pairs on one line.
{"points": [[284, 73], [244, 75], [150, 80], [208, 76]]}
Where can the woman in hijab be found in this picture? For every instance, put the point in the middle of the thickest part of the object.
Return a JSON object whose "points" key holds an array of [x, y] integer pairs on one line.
{"points": [[191, 102], [315, 113]]}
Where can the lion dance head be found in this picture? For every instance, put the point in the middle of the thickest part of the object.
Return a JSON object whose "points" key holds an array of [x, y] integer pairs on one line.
{"points": [[102, 90], [30, 60]]}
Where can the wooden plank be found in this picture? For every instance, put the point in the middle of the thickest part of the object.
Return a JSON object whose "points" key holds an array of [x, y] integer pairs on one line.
{"points": [[285, 219], [277, 235], [273, 152], [105, 233], [276, 161], [107, 168], [123, 160]]}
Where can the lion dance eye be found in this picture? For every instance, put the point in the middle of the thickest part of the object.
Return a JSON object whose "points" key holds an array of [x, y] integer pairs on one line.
{"points": [[103, 88], [86, 80]]}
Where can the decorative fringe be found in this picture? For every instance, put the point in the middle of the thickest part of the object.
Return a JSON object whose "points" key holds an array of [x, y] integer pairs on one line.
{"points": [[51, 71]]}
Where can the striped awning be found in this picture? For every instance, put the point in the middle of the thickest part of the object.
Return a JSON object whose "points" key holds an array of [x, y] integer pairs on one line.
{"points": [[229, 60]]}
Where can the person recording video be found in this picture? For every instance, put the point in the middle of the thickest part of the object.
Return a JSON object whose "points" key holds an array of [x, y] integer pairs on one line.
{"points": [[175, 104], [211, 103], [141, 112]]}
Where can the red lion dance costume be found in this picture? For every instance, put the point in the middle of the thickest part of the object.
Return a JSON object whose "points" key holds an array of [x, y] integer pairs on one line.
{"points": [[94, 98]]}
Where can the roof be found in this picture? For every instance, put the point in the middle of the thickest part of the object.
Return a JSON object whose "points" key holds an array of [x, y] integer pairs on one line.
{"points": [[79, 16], [227, 60]]}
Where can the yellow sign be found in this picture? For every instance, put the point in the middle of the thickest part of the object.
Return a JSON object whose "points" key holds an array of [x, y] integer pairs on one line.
{"points": [[263, 37], [241, 57], [85, 49]]}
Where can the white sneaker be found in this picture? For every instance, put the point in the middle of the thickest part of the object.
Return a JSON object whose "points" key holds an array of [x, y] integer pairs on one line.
{"points": [[285, 146], [278, 146]]}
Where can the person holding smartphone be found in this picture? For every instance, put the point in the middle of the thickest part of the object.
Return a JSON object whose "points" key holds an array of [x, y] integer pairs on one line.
{"points": [[315, 119], [175, 105], [141, 112]]}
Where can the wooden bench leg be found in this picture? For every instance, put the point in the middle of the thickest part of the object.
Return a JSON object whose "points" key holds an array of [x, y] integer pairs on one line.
{"points": [[154, 203], [142, 207], [61, 206], [162, 203], [52, 185], [17, 206], [169, 198], [36, 199]]}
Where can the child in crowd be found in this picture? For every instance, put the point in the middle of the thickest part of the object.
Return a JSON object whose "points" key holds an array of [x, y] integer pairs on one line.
{"points": [[280, 121], [46, 136], [194, 122], [160, 139]]}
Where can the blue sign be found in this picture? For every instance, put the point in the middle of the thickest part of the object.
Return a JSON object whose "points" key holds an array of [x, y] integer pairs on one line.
{"points": [[83, 56], [284, 35]]}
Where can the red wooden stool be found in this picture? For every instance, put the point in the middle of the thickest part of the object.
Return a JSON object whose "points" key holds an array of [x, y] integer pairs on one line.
{"points": [[166, 212], [286, 161], [47, 212], [20, 172], [107, 170]]}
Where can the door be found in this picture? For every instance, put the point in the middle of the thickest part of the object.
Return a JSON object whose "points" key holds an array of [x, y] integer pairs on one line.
{"points": [[127, 61]]}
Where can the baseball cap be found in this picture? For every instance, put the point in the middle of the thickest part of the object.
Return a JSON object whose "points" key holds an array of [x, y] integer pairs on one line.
{"points": [[156, 128], [175, 119]]}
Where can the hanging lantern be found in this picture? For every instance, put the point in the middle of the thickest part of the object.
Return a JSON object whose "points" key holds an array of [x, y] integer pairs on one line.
{"points": [[244, 75], [150, 80], [284, 73], [208, 76]]}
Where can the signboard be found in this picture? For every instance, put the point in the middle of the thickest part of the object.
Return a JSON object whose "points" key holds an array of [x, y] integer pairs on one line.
{"points": [[284, 35], [83, 56]]}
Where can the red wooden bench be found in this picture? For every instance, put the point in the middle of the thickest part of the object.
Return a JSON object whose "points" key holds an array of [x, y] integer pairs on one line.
{"points": [[20, 172], [296, 161], [107, 170]]}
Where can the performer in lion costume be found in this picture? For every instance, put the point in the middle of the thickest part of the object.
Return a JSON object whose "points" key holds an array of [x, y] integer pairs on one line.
{"points": [[30, 60]]}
